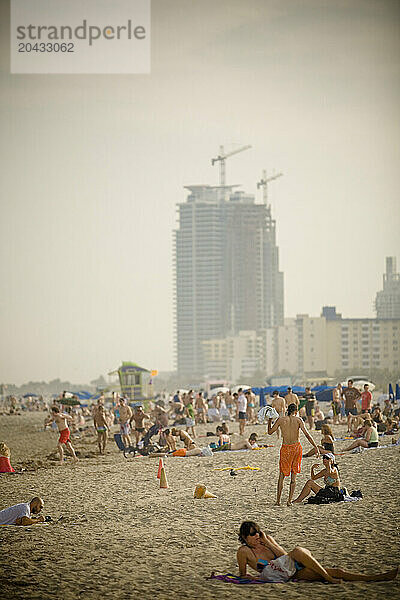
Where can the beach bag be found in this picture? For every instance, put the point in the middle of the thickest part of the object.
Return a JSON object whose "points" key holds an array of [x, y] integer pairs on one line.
{"points": [[327, 495]]}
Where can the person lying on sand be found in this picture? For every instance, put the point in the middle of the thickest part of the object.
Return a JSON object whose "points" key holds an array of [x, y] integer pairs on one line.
{"points": [[20, 514], [330, 474], [263, 554], [370, 439], [250, 444]]}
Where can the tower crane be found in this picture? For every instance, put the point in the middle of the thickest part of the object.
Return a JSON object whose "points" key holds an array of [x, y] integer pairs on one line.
{"points": [[264, 184], [222, 157]]}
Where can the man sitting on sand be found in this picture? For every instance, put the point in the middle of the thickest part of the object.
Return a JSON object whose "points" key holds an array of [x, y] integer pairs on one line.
{"points": [[262, 553], [60, 419], [20, 514], [291, 450]]}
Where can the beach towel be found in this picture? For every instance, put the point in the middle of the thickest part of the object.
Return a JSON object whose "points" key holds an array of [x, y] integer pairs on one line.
{"points": [[230, 578]]}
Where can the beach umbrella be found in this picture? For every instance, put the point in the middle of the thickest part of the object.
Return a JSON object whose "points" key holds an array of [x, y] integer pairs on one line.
{"points": [[397, 391], [236, 388], [30, 396], [218, 390]]}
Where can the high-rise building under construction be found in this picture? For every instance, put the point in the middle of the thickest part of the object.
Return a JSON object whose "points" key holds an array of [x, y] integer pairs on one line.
{"points": [[227, 276]]}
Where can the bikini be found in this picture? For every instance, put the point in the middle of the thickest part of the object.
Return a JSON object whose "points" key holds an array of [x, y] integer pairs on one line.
{"points": [[328, 446]]}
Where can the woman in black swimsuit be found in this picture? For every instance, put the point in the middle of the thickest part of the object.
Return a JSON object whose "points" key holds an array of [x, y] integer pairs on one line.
{"points": [[326, 442]]}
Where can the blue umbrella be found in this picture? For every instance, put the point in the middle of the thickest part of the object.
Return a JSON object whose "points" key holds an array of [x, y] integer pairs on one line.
{"points": [[397, 391], [30, 395], [391, 393]]}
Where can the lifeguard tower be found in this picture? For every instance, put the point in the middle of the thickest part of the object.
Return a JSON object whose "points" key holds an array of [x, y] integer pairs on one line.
{"points": [[134, 381]]}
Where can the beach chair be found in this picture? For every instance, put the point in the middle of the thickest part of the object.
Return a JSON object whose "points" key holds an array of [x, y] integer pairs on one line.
{"points": [[124, 449]]}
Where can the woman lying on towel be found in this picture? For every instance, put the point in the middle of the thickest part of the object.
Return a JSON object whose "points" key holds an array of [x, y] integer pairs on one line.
{"points": [[263, 554], [224, 442], [330, 474]]}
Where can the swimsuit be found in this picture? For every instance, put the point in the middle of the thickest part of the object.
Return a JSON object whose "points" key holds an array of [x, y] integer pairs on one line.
{"points": [[328, 446], [329, 481], [101, 429], [64, 436], [290, 458], [139, 429], [278, 570], [125, 428]]}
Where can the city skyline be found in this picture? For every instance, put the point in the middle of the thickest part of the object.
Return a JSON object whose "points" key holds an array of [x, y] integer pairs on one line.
{"points": [[93, 167]]}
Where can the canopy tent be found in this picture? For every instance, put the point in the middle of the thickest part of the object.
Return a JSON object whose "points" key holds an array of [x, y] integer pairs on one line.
{"points": [[322, 392]]}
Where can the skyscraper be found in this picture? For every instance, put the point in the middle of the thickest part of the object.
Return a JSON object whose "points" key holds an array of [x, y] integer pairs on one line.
{"points": [[227, 275], [387, 301]]}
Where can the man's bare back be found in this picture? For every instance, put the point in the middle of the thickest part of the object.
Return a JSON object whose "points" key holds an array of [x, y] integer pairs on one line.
{"points": [[290, 427]]}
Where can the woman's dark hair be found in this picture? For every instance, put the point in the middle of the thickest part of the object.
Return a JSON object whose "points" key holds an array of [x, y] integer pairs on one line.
{"points": [[253, 436], [292, 408], [245, 528]]}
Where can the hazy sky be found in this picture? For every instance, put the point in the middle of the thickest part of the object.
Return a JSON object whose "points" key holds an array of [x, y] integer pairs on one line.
{"points": [[93, 166]]}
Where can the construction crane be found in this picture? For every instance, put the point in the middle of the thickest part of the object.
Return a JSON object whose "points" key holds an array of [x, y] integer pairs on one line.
{"points": [[222, 158], [264, 184]]}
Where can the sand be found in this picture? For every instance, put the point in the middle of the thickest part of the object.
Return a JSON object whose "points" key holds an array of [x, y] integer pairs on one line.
{"points": [[122, 536]]}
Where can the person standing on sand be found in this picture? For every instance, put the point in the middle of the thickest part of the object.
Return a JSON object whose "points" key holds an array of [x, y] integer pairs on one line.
{"points": [[102, 429], [310, 407], [291, 450], [291, 398], [60, 419], [138, 418], [351, 395], [241, 410], [125, 414], [278, 403], [201, 409]]}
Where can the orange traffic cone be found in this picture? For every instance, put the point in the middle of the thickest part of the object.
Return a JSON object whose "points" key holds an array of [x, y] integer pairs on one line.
{"points": [[160, 466], [163, 479], [202, 492]]}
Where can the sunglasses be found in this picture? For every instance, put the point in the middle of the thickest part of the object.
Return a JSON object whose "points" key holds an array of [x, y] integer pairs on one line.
{"points": [[253, 533]]}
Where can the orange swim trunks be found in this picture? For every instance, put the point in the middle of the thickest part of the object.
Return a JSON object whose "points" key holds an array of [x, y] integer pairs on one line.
{"points": [[180, 452], [290, 458], [64, 436]]}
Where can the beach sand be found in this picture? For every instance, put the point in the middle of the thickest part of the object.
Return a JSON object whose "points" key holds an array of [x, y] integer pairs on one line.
{"points": [[121, 536]]}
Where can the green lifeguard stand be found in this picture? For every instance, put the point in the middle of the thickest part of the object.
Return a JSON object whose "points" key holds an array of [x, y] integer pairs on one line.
{"points": [[133, 385]]}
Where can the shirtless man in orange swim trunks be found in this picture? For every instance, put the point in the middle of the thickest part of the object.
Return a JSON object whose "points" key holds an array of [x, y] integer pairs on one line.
{"points": [[60, 419], [291, 450]]}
